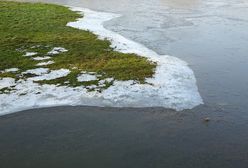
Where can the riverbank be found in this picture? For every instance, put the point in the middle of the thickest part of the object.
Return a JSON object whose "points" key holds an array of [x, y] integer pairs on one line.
{"points": [[47, 62]]}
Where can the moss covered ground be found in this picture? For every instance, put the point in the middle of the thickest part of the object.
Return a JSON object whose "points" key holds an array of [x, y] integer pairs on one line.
{"points": [[36, 27]]}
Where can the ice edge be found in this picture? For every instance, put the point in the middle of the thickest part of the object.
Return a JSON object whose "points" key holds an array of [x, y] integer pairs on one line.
{"points": [[174, 84]]}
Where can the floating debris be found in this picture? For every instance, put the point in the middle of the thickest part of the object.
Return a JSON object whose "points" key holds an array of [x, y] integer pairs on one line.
{"points": [[206, 119]]}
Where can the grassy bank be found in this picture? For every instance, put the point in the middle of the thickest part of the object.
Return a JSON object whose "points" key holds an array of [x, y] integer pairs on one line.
{"points": [[27, 27]]}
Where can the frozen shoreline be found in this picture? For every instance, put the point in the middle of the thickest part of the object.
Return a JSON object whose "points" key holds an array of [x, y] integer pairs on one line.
{"points": [[173, 85]]}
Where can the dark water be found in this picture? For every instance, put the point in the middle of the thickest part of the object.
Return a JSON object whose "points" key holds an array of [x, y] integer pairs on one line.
{"points": [[94, 137], [212, 36]]}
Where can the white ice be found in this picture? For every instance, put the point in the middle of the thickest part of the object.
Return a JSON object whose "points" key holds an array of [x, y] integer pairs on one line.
{"points": [[86, 77], [41, 58], [11, 70], [45, 63], [103, 81], [37, 71], [30, 54], [6, 82], [54, 74], [57, 50]]}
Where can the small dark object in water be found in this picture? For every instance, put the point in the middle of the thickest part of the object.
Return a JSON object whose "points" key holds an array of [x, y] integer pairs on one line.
{"points": [[206, 119]]}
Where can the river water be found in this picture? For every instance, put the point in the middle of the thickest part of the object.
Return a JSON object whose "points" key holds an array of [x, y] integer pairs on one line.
{"points": [[212, 37]]}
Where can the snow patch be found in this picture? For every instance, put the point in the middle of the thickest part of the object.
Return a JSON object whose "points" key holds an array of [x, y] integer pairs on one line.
{"points": [[28, 94], [54, 74], [11, 70], [107, 80], [45, 63], [6, 82], [91, 87], [37, 71], [86, 78], [41, 58], [57, 50], [30, 54]]}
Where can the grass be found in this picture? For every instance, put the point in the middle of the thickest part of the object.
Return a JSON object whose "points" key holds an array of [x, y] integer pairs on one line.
{"points": [[25, 25]]}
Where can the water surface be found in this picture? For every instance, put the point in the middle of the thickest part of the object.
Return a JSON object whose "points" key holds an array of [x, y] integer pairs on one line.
{"points": [[212, 36]]}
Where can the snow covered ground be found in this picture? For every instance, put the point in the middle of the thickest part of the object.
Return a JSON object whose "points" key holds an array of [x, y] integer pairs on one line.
{"points": [[172, 86]]}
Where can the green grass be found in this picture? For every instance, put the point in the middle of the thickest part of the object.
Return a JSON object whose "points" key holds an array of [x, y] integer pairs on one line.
{"points": [[24, 25]]}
